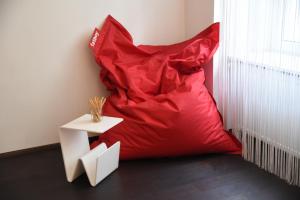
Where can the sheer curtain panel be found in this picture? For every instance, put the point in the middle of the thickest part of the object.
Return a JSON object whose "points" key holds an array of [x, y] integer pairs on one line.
{"points": [[257, 81]]}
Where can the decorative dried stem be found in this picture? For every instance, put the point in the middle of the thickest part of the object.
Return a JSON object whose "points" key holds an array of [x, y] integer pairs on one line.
{"points": [[96, 105]]}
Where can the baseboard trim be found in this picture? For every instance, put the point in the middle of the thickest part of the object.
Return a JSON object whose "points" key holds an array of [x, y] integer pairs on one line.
{"points": [[29, 150]]}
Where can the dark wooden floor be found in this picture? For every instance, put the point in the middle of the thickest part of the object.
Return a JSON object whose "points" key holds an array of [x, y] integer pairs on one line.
{"points": [[41, 175]]}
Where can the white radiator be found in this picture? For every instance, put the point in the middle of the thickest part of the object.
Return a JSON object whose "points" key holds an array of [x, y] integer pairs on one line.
{"points": [[261, 104]]}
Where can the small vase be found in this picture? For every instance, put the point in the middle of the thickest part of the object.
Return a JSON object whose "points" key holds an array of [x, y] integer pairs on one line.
{"points": [[96, 105], [96, 116]]}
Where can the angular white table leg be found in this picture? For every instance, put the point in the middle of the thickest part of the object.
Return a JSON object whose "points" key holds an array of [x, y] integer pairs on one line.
{"points": [[100, 162], [74, 144], [89, 161], [107, 162]]}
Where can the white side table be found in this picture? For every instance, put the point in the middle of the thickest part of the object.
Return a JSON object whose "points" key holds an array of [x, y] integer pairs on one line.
{"points": [[98, 162]]}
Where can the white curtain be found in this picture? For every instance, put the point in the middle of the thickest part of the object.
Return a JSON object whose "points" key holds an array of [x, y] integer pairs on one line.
{"points": [[257, 80]]}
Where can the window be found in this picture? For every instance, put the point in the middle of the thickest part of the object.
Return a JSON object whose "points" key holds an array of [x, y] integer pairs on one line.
{"points": [[291, 30]]}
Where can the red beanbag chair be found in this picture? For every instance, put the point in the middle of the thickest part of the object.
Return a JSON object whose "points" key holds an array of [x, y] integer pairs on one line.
{"points": [[160, 93]]}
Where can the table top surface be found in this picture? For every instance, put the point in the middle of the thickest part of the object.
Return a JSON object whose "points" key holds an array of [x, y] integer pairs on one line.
{"points": [[85, 123]]}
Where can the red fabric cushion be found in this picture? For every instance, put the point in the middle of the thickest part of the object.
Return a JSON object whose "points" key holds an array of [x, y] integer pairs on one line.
{"points": [[160, 93]]}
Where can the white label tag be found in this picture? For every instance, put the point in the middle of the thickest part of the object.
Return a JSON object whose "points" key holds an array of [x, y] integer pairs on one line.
{"points": [[94, 39]]}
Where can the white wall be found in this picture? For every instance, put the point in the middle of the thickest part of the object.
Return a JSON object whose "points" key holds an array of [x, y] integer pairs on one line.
{"points": [[199, 14], [47, 72]]}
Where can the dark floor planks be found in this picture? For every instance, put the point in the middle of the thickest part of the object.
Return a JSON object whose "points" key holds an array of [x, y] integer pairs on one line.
{"points": [[41, 175]]}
